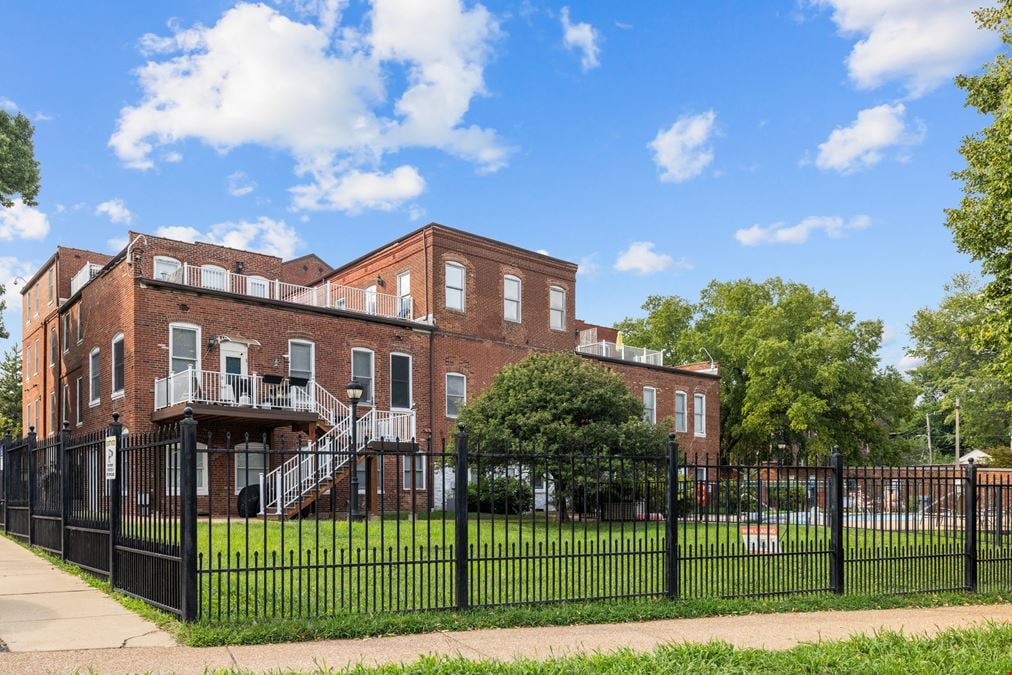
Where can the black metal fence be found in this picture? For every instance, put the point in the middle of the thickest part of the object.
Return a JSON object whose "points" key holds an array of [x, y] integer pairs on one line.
{"points": [[196, 526]]}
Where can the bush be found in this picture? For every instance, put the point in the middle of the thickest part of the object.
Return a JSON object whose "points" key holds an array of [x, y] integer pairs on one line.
{"points": [[500, 494]]}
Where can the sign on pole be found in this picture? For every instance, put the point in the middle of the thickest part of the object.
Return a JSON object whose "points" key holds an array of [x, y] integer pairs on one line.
{"points": [[110, 457], [760, 539]]}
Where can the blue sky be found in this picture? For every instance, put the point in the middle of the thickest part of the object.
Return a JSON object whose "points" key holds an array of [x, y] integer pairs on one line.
{"points": [[660, 145]]}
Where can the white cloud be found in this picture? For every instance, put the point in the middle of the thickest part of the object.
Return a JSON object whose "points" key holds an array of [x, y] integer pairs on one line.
{"points": [[889, 335], [864, 142], [117, 244], [583, 38], [641, 258], [681, 152], [259, 77], [588, 266], [172, 156], [116, 210], [415, 212], [543, 251], [239, 184], [778, 233], [356, 191], [10, 269], [908, 362], [8, 105], [263, 235], [22, 222], [921, 43]]}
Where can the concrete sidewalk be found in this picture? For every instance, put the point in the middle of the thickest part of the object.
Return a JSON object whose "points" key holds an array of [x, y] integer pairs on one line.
{"points": [[771, 631], [43, 608]]}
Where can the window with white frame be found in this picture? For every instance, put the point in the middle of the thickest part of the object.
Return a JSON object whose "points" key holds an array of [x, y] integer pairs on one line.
{"points": [[53, 347], [370, 299], [456, 393], [681, 412], [511, 298], [400, 382], [172, 469], [250, 463], [80, 325], [78, 400], [454, 273], [258, 287], [94, 375], [650, 404], [362, 370], [52, 284], [165, 267], [414, 472], [557, 308], [699, 414], [404, 308], [183, 341], [118, 366], [65, 329], [301, 359], [52, 412], [214, 277], [35, 359]]}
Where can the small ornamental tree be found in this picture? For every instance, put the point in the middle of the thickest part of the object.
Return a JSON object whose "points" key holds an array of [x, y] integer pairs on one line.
{"points": [[548, 407]]}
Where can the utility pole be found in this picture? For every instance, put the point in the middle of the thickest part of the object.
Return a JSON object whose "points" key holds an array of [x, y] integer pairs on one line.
{"points": [[957, 430], [927, 420]]}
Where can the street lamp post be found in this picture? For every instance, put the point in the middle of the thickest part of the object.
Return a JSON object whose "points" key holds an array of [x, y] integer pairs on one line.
{"points": [[354, 391]]}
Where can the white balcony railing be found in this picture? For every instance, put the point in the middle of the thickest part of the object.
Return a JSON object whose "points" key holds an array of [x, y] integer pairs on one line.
{"points": [[251, 391], [328, 295], [83, 276], [624, 352]]}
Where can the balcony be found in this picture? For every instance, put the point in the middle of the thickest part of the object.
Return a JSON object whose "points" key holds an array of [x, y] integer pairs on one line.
{"points": [[327, 296], [623, 352], [83, 276]]}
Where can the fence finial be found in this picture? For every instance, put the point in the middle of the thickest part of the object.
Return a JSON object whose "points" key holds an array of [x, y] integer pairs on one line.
{"points": [[31, 429], [188, 412], [66, 425], [115, 417]]}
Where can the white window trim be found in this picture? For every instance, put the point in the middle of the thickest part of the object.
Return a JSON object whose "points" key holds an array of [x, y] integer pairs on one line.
{"points": [[54, 345], [116, 393], [696, 398], [446, 392], [52, 284], [411, 381], [79, 402], [240, 452], [94, 393], [685, 411], [65, 329], [551, 310], [519, 299], [186, 326], [163, 258], [410, 462], [312, 356], [463, 286], [372, 381], [257, 279], [653, 410], [201, 457], [214, 268], [80, 326]]}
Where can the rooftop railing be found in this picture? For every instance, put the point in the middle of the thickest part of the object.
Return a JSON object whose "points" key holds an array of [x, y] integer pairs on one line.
{"points": [[83, 276], [624, 352]]}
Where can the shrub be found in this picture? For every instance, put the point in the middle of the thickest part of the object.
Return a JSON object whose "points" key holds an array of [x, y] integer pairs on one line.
{"points": [[500, 494]]}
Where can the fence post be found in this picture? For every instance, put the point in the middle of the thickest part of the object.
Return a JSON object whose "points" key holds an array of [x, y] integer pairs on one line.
{"points": [[671, 524], [188, 516], [6, 487], [836, 582], [460, 518], [970, 504], [64, 487], [30, 456], [115, 498]]}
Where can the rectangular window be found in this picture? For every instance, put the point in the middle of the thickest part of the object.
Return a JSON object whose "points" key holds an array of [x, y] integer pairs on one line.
{"points": [[557, 308], [26, 366], [404, 309], [35, 358], [456, 393], [258, 287], [699, 414], [93, 377], [53, 347], [52, 412], [414, 472], [681, 414], [36, 293], [52, 285], [65, 337], [362, 371], [248, 465], [172, 470], [454, 273], [650, 404], [78, 400], [80, 325], [300, 360], [511, 298], [166, 267], [118, 372], [400, 381], [182, 348]]}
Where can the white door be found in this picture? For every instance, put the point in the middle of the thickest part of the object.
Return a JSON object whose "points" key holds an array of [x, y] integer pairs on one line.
{"points": [[404, 295], [234, 381]]}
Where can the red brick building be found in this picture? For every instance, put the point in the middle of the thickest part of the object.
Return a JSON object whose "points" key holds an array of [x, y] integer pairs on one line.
{"points": [[258, 345]]}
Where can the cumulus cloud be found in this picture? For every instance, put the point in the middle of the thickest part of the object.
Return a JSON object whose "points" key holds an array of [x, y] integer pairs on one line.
{"points": [[239, 184], [356, 191], [920, 43], [588, 266], [116, 211], [318, 91], [23, 222], [263, 235], [10, 269], [779, 233], [864, 141], [908, 362], [641, 258], [8, 105], [681, 152], [583, 38]]}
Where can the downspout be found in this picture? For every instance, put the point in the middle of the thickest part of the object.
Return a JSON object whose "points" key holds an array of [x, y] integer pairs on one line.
{"points": [[432, 337]]}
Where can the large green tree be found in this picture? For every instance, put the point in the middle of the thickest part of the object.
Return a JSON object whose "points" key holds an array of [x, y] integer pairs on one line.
{"points": [[19, 170], [796, 370], [982, 224], [957, 365], [10, 393]]}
